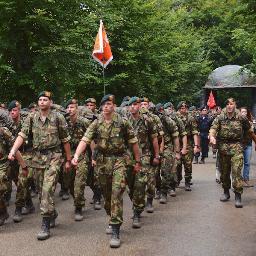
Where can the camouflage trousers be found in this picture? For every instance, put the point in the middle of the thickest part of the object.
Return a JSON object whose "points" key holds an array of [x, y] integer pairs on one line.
{"points": [[231, 164], [185, 160], [47, 179], [3, 183], [137, 183], [23, 195], [12, 174], [81, 173], [168, 170], [111, 173]]}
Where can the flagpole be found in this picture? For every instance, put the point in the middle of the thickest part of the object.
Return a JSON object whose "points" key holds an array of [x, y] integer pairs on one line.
{"points": [[104, 85]]}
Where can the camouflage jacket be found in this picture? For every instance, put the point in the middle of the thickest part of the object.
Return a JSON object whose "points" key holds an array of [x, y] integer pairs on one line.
{"points": [[230, 132], [45, 135], [179, 123], [145, 130], [191, 125], [6, 141], [170, 130], [77, 130], [111, 138]]}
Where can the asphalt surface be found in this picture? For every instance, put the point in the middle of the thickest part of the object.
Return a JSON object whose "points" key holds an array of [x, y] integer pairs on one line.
{"points": [[194, 223]]}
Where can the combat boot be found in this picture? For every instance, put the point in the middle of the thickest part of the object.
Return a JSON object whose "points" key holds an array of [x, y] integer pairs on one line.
{"points": [[53, 218], [45, 229], [17, 217], [97, 199], [28, 208], [3, 216], [109, 230], [65, 195], [187, 186], [173, 192], [238, 202], [115, 237], [136, 223], [157, 195], [195, 160], [149, 205], [225, 196], [78, 214], [202, 161], [163, 198]]}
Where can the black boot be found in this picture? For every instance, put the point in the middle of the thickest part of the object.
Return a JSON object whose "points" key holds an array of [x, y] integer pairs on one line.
{"points": [[187, 186], [45, 229], [225, 196], [136, 223], [149, 205], [17, 217], [195, 160], [65, 195], [79, 214], [238, 202], [53, 218], [3, 215], [97, 199], [163, 198], [28, 208], [202, 161], [115, 237]]}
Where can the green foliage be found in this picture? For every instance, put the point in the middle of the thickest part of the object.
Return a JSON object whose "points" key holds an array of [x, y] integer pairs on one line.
{"points": [[163, 49]]}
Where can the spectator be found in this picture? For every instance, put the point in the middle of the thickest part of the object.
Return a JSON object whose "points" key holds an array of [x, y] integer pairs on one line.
{"points": [[204, 122], [247, 143]]}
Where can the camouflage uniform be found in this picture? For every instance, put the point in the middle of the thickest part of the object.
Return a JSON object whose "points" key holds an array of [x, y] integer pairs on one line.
{"points": [[168, 163], [152, 183], [47, 159], [145, 130], [111, 139], [182, 133], [6, 140], [230, 132], [23, 195], [78, 176], [191, 129]]}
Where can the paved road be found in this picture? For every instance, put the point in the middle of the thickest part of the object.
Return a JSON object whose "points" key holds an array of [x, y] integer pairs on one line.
{"points": [[194, 223]]}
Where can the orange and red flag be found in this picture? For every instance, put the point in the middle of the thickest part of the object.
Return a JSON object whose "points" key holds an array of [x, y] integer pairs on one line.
{"points": [[211, 101], [102, 51]]}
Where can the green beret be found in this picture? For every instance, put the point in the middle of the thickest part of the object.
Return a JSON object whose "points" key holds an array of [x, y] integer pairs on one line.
{"points": [[71, 101], [32, 105], [192, 108], [126, 98], [124, 104], [13, 104], [159, 106], [133, 100], [144, 99], [182, 104], [167, 105], [90, 100], [45, 94], [108, 97]]}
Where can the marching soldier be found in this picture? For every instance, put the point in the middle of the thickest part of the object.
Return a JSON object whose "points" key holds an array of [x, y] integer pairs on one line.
{"points": [[112, 135], [49, 132]]}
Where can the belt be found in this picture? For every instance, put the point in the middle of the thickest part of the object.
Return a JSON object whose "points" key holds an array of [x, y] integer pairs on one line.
{"points": [[49, 150], [107, 154]]}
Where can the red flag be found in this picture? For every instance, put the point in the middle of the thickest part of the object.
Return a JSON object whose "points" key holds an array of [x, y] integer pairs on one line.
{"points": [[211, 101], [102, 50]]}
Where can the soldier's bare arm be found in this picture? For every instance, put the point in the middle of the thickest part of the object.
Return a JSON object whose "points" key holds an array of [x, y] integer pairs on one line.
{"points": [[17, 144]]}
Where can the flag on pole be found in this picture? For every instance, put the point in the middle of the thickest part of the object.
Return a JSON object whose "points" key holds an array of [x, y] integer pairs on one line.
{"points": [[211, 101], [102, 50]]}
